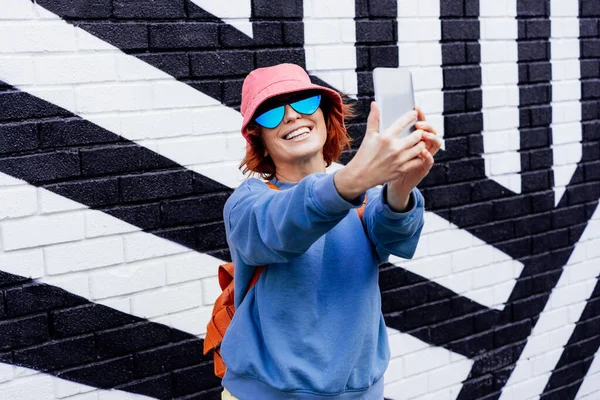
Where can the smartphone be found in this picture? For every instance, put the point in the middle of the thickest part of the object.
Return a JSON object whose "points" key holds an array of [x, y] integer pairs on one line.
{"points": [[394, 95]]}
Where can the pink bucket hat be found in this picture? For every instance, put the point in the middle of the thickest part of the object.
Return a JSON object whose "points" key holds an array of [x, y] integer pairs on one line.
{"points": [[265, 83]]}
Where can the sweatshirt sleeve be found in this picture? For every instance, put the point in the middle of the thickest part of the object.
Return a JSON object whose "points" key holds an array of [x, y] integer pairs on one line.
{"points": [[393, 232], [266, 226]]}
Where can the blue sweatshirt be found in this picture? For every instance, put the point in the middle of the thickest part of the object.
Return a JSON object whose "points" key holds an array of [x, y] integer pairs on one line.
{"points": [[312, 327]]}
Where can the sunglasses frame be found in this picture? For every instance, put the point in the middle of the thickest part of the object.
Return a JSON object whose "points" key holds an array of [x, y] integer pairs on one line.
{"points": [[280, 108]]}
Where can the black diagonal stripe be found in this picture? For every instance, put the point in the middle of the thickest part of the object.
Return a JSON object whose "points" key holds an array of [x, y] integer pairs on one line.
{"points": [[191, 44], [51, 330], [78, 160]]}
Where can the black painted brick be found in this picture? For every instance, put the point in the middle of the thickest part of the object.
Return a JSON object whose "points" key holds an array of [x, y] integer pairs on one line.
{"points": [[38, 297], [146, 216], [451, 330], [221, 63], [58, 354], [16, 137], [264, 33], [592, 171], [267, 58], [465, 29], [87, 318], [512, 207], [211, 88], [462, 76], [130, 339], [539, 159], [511, 333], [72, 132], [462, 124], [535, 137], [537, 28], [232, 91], [545, 282], [589, 8], [590, 110], [474, 344], [95, 192], [534, 51], [23, 332], [543, 201], [447, 196], [590, 48], [473, 214], [532, 224], [157, 185], [404, 297], [160, 387], [534, 94], [454, 101], [538, 72], [475, 145], [110, 373], [383, 8], [496, 232], [174, 64], [427, 314], [277, 9], [568, 216], [183, 35], [516, 248], [588, 27], [141, 9], [293, 32], [529, 307], [184, 236], [202, 209], [377, 31], [436, 176], [202, 185], [532, 8], [42, 167], [487, 190], [454, 53], [211, 236], [168, 357], [19, 105], [383, 56], [120, 159], [493, 360], [194, 379], [456, 148], [473, 53], [535, 180], [466, 170], [124, 35], [78, 9], [474, 99], [452, 8]]}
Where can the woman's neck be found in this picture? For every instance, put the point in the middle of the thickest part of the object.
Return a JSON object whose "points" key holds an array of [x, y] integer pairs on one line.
{"points": [[297, 172]]}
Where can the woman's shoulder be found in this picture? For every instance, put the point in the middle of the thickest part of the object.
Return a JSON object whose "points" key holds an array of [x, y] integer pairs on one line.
{"points": [[248, 186]]}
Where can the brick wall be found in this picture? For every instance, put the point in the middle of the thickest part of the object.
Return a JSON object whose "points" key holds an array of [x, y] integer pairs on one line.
{"points": [[119, 145]]}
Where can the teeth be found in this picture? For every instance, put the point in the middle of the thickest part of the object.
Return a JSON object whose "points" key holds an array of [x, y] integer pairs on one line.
{"points": [[297, 132]]}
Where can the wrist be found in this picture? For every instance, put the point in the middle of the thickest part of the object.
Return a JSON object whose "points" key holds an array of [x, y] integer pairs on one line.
{"points": [[397, 200], [348, 184]]}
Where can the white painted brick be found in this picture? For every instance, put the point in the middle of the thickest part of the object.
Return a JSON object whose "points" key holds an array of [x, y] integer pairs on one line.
{"points": [[484, 296], [566, 133], [128, 67], [429, 8], [522, 372], [429, 29], [7, 180], [426, 78], [592, 248], [332, 57], [458, 282], [564, 28], [494, 96], [174, 94], [403, 343], [73, 283], [496, 51], [551, 319], [38, 231], [6, 372], [493, 9], [120, 304], [190, 266], [451, 240], [407, 8], [566, 295], [167, 300], [498, 28], [566, 90], [408, 54], [569, 153], [195, 150], [565, 70], [501, 118], [348, 27], [18, 11], [566, 112], [142, 245], [87, 254], [113, 394], [501, 141], [210, 290], [585, 271], [21, 70], [575, 311], [129, 278], [434, 223], [472, 257], [350, 82], [529, 388], [500, 74], [36, 387], [64, 388], [431, 267], [30, 37], [98, 223], [407, 388], [332, 9], [430, 102], [421, 251], [394, 371], [192, 321], [493, 274], [49, 202], [424, 360], [115, 97], [28, 263], [563, 8], [69, 69], [449, 374], [214, 120], [318, 31], [591, 385], [85, 396], [17, 201], [504, 163], [545, 363], [61, 96], [502, 292]]}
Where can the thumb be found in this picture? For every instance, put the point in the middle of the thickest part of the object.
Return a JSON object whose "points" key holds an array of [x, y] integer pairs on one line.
{"points": [[373, 119]]}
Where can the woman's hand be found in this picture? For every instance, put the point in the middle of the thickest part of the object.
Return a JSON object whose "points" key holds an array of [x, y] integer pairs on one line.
{"points": [[399, 189], [382, 157]]}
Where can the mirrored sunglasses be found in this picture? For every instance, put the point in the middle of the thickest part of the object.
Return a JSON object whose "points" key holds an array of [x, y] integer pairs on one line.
{"points": [[273, 117]]}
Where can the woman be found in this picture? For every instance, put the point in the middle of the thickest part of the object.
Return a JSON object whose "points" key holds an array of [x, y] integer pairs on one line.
{"points": [[312, 327]]}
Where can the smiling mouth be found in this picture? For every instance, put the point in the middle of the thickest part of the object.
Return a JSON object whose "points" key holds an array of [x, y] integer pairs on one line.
{"points": [[298, 134]]}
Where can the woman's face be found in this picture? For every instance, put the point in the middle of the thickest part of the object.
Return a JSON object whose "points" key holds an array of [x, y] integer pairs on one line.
{"points": [[298, 137]]}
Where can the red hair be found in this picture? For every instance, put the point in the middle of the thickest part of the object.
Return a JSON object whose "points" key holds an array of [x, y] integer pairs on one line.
{"points": [[337, 140]]}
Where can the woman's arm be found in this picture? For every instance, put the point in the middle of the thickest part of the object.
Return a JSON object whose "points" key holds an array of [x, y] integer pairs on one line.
{"points": [[392, 232], [265, 226]]}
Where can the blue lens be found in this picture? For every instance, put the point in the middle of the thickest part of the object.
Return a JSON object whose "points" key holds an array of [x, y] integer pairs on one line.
{"points": [[271, 118], [307, 106]]}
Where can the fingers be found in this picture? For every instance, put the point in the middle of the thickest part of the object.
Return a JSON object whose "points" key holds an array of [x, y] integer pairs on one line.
{"points": [[412, 152], [373, 119], [426, 127], [433, 143], [401, 123], [420, 114]]}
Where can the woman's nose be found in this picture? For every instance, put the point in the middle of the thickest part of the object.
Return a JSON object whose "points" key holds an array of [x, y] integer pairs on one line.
{"points": [[290, 114]]}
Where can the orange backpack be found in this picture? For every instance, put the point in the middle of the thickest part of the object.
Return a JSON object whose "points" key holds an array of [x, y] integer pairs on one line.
{"points": [[224, 307]]}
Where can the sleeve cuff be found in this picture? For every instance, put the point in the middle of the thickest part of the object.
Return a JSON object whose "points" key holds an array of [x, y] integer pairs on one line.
{"points": [[415, 199], [328, 199]]}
